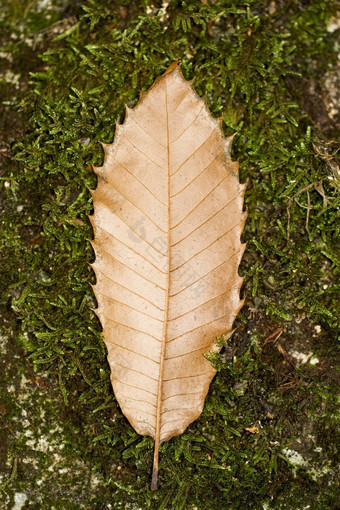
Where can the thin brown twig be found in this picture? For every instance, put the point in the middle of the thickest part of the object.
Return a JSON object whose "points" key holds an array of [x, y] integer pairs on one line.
{"points": [[277, 332]]}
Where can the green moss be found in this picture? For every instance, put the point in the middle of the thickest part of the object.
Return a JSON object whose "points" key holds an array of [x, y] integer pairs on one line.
{"points": [[254, 62]]}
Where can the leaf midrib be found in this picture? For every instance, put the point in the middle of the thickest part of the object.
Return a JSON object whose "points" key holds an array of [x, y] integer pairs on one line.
{"points": [[166, 310]]}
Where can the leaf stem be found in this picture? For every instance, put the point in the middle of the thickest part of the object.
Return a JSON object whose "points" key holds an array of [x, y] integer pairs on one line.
{"points": [[155, 467]]}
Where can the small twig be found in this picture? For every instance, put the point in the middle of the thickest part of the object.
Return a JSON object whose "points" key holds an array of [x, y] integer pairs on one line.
{"points": [[284, 354], [277, 332], [288, 385]]}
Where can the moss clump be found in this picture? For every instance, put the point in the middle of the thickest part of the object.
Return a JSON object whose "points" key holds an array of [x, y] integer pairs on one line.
{"points": [[255, 62]]}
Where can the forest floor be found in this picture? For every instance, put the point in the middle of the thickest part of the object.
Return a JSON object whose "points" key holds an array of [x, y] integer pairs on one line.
{"points": [[269, 434]]}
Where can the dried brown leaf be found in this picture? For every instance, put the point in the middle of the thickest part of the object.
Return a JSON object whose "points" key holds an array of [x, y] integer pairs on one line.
{"points": [[253, 429], [167, 224]]}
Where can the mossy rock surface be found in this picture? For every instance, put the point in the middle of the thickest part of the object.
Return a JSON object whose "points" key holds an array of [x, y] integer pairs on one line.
{"points": [[267, 438]]}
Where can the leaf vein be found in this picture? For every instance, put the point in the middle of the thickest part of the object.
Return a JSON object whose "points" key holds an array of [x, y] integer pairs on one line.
{"points": [[147, 242], [201, 251], [138, 180], [129, 247], [132, 386], [193, 153], [134, 370], [189, 126], [114, 281], [123, 264], [137, 400], [145, 131], [147, 157], [206, 221], [197, 176], [198, 327], [130, 327], [132, 308], [138, 208], [207, 274]]}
